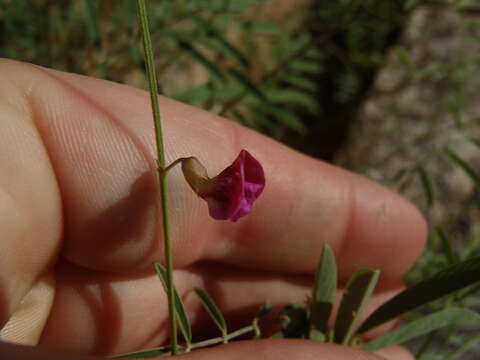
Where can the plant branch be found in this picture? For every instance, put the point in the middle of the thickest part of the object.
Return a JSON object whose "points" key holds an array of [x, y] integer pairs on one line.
{"points": [[152, 81], [184, 348]]}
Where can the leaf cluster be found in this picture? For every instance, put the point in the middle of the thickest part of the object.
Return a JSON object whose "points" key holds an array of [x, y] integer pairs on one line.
{"points": [[444, 251], [312, 320], [288, 75]]}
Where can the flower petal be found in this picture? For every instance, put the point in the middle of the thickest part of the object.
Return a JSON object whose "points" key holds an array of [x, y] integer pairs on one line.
{"points": [[233, 191]]}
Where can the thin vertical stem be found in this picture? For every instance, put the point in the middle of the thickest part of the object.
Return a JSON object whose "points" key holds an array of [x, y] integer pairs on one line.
{"points": [[152, 81]]}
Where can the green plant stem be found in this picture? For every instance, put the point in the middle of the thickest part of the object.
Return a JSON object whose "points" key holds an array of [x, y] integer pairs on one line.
{"points": [[172, 165], [224, 338], [204, 343], [184, 348], [152, 81]]}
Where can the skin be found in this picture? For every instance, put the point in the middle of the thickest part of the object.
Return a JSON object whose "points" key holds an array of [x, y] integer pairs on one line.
{"points": [[81, 227]]}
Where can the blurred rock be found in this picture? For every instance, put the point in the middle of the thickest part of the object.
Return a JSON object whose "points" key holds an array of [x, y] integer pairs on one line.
{"points": [[429, 84]]}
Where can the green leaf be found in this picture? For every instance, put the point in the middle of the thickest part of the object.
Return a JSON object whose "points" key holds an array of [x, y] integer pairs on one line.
{"points": [[212, 309], [426, 185], [455, 354], [323, 295], [295, 320], [450, 254], [423, 326], [357, 292], [252, 89], [262, 118], [179, 308], [306, 66], [464, 165], [211, 67], [286, 117], [301, 82], [92, 22], [198, 95], [55, 24], [294, 97], [242, 119], [220, 43], [317, 335], [143, 354], [264, 310], [449, 280], [262, 28]]}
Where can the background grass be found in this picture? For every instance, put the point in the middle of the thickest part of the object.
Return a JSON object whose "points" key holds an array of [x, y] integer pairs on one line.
{"points": [[272, 66], [299, 73]]}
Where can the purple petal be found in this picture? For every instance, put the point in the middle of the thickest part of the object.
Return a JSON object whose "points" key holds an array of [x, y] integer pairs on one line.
{"points": [[235, 189]]}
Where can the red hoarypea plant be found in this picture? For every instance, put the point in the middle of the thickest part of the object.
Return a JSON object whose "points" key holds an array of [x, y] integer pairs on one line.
{"points": [[230, 194]]}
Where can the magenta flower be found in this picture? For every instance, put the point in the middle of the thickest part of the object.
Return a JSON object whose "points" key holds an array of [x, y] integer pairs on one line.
{"points": [[230, 194]]}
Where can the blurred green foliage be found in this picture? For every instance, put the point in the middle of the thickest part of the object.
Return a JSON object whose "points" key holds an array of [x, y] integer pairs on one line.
{"points": [[296, 71]]}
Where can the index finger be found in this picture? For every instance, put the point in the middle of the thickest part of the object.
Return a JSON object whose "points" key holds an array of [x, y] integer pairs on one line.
{"points": [[99, 136]]}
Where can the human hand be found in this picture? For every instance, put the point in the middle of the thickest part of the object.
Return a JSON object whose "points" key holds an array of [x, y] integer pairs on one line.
{"points": [[80, 223]]}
